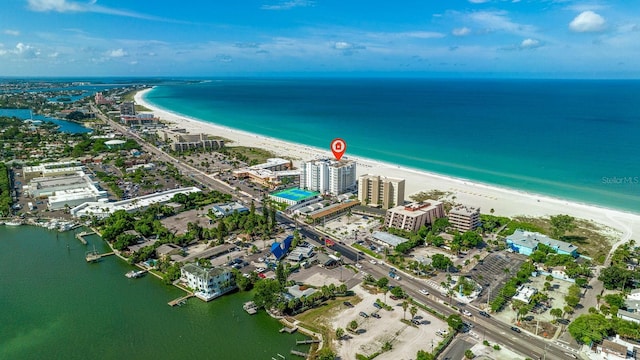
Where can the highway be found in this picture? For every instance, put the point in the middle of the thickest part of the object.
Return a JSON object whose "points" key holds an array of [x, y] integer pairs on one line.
{"points": [[497, 332]]}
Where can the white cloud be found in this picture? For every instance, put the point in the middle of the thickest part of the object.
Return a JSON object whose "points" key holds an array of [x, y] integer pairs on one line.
{"points": [[54, 54], [11, 32], [26, 51], [289, 5], [530, 44], [342, 45], [463, 31], [424, 34], [588, 21], [64, 6], [499, 21], [117, 53]]}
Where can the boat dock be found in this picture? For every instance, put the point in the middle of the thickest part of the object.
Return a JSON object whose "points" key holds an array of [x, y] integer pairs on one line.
{"points": [[180, 300], [250, 307], [93, 257], [289, 330], [310, 341], [81, 236], [299, 353]]}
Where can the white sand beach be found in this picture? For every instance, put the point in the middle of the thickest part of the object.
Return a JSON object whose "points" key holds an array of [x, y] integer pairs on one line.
{"points": [[505, 202]]}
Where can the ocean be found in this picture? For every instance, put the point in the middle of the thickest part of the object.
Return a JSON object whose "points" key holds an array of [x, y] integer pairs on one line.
{"points": [[54, 305], [571, 139]]}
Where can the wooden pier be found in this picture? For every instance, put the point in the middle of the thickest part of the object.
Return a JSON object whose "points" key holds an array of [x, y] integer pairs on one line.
{"points": [[81, 236], [250, 307], [180, 300], [289, 330], [94, 257], [299, 353], [310, 341]]}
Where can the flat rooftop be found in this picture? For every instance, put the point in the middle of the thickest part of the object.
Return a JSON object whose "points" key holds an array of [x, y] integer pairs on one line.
{"points": [[295, 194]]}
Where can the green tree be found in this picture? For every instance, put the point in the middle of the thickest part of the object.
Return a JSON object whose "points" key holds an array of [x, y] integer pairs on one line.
{"points": [[339, 333], [281, 274], [455, 322], [413, 311], [353, 325], [615, 300], [325, 354], [405, 305], [556, 313], [267, 293], [589, 328], [561, 224], [382, 282], [440, 262], [469, 354], [423, 355]]}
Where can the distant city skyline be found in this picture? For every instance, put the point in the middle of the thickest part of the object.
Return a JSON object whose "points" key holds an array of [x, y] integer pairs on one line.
{"points": [[495, 38]]}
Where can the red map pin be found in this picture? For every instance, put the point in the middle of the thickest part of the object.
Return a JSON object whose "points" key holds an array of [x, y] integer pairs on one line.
{"points": [[338, 147]]}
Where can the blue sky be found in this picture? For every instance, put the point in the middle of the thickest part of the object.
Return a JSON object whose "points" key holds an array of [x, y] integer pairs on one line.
{"points": [[519, 38]]}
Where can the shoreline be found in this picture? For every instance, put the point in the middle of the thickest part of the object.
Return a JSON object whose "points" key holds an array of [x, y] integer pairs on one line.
{"points": [[506, 201]]}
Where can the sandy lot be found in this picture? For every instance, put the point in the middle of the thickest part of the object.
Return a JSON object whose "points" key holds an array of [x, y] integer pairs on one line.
{"points": [[406, 340]]}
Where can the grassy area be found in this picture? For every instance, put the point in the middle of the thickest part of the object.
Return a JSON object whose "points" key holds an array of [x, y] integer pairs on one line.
{"points": [[250, 155], [367, 251], [587, 236], [318, 319]]}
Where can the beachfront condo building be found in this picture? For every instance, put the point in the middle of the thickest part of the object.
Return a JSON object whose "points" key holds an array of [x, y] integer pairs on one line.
{"points": [[380, 191], [128, 108], [181, 141], [207, 284], [329, 176], [413, 216], [464, 218]]}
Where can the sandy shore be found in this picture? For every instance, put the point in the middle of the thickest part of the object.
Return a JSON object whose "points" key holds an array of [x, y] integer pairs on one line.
{"points": [[505, 202]]}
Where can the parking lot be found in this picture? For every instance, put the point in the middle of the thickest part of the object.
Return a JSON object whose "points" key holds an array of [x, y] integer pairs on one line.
{"points": [[345, 227], [373, 332]]}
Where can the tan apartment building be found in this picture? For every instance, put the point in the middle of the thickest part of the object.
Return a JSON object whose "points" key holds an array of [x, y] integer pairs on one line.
{"points": [[380, 191], [179, 141], [411, 217], [464, 218]]}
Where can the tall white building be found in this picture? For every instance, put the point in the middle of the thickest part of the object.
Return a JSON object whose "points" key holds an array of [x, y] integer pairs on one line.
{"points": [[208, 284], [329, 176], [380, 191]]}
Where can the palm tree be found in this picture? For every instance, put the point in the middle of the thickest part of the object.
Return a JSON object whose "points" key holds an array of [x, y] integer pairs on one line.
{"points": [[413, 311], [405, 305]]}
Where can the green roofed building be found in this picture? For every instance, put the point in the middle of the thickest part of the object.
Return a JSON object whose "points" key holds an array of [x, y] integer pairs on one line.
{"points": [[294, 196], [207, 284]]}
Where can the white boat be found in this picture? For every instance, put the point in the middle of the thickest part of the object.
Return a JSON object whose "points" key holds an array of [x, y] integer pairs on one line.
{"points": [[134, 274], [13, 223]]}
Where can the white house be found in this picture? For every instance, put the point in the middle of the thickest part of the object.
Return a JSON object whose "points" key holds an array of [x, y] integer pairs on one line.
{"points": [[207, 284]]}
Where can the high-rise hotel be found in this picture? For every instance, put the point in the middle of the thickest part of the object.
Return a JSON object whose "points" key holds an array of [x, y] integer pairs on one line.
{"points": [[329, 176]]}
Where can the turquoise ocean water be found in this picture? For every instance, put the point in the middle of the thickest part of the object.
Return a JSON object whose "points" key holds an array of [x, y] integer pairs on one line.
{"points": [[573, 139]]}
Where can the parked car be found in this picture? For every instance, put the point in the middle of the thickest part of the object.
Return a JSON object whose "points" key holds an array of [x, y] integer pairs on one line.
{"points": [[415, 322], [375, 304], [484, 313], [348, 304], [375, 315], [364, 314]]}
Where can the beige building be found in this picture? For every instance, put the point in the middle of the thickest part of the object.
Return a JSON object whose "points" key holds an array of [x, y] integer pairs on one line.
{"points": [[51, 169], [179, 141], [464, 218], [411, 217], [383, 192]]}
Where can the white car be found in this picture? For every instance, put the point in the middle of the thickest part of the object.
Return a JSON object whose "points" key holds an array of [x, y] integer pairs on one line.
{"points": [[466, 312], [424, 292], [359, 266], [373, 261]]}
